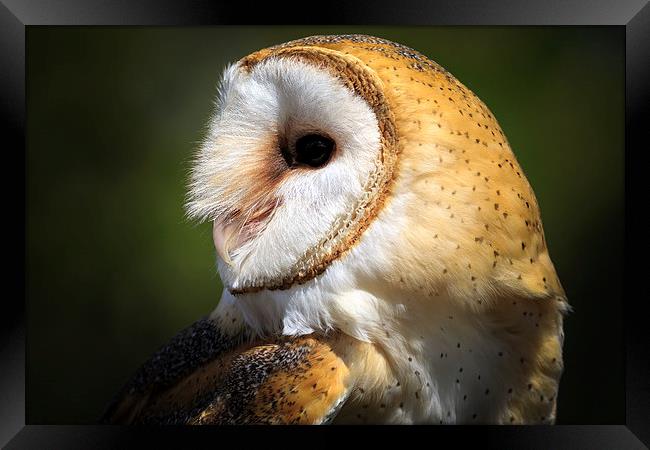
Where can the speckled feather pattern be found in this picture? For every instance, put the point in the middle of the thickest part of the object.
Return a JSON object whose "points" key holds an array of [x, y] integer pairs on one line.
{"points": [[193, 381], [201, 342]]}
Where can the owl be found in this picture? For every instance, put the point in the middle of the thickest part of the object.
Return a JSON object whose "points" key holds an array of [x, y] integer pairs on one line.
{"points": [[381, 250]]}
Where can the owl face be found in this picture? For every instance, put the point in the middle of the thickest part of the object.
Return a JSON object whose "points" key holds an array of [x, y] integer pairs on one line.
{"points": [[284, 171]]}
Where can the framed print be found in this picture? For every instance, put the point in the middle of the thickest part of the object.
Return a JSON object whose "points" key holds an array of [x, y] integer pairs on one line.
{"points": [[128, 122]]}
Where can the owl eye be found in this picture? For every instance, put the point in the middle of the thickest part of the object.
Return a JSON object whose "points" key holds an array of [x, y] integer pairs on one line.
{"points": [[314, 150]]}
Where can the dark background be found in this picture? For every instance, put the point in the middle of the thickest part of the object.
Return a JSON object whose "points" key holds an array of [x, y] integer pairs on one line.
{"points": [[114, 114]]}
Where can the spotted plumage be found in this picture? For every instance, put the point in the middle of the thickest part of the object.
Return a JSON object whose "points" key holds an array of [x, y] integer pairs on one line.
{"points": [[392, 270], [205, 377]]}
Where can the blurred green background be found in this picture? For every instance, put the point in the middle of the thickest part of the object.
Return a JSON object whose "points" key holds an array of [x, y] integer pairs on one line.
{"points": [[114, 115]]}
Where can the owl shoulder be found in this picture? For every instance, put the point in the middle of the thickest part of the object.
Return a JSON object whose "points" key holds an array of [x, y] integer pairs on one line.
{"points": [[206, 375]]}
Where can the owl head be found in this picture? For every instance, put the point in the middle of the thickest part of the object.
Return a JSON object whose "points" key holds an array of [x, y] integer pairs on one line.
{"points": [[345, 175]]}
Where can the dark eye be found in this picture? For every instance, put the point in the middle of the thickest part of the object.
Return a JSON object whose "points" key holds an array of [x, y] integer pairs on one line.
{"points": [[314, 150]]}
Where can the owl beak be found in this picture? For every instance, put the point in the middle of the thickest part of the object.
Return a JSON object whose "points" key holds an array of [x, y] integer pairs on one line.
{"points": [[221, 234], [230, 233]]}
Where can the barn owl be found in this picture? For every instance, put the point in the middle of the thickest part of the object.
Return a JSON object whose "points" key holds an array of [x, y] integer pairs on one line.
{"points": [[382, 254]]}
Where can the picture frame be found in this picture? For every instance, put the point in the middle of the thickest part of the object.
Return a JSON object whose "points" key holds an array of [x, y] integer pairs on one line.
{"points": [[634, 16]]}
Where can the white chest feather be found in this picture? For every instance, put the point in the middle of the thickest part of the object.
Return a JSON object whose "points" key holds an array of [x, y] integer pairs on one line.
{"points": [[446, 369]]}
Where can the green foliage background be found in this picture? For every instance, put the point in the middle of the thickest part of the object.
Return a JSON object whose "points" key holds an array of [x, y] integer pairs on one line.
{"points": [[114, 115]]}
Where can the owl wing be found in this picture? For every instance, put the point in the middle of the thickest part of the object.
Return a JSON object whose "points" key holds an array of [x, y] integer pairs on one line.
{"points": [[294, 381], [206, 377], [186, 352]]}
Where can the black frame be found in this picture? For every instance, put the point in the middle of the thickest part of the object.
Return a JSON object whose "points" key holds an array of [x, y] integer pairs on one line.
{"points": [[634, 15]]}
